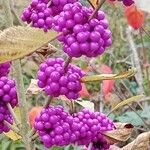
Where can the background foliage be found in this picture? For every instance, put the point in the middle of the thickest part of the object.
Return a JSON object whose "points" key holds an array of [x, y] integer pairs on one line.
{"points": [[119, 58]]}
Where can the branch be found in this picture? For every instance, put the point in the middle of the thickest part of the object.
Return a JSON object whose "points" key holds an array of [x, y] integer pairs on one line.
{"points": [[97, 8], [48, 101], [15, 13], [91, 4], [22, 103], [17, 122], [11, 127], [8, 13], [68, 61], [139, 76]]}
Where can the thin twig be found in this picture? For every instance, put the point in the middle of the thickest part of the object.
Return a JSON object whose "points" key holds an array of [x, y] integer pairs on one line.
{"points": [[34, 137], [11, 127], [91, 4], [139, 76], [32, 132], [130, 93], [72, 107], [48, 101], [90, 146], [97, 8], [145, 61], [68, 61], [15, 13], [117, 90], [17, 122], [145, 32]]}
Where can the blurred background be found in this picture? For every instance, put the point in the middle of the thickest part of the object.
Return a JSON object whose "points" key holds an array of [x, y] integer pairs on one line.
{"points": [[130, 49]]}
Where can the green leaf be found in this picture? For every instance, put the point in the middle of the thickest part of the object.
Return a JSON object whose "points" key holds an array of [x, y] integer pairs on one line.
{"points": [[130, 117], [5, 145], [17, 42], [145, 112]]}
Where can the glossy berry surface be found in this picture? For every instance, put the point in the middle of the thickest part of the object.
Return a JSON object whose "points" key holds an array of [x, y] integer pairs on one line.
{"points": [[81, 35], [57, 127], [8, 92], [58, 81], [8, 95], [4, 116], [4, 69], [40, 13]]}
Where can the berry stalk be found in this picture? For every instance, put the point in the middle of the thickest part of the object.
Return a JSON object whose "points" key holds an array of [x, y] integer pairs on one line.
{"points": [[17, 122], [48, 101], [68, 61], [11, 127], [97, 8]]}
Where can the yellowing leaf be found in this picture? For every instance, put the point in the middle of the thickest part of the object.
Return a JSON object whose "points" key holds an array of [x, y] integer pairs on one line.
{"points": [[127, 101], [17, 112], [101, 77], [17, 42], [13, 136]]}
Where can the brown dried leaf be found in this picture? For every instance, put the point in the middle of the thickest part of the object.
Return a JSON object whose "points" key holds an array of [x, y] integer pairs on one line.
{"points": [[121, 133], [140, 143], [17, 42], [33, 88]]}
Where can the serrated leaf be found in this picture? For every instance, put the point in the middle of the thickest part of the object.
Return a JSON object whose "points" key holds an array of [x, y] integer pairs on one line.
{"points": [[101, 77], [17, 42], [127, 101]]}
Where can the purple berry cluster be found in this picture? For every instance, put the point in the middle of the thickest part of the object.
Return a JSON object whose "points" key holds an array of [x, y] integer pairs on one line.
{"points": [[4, 116], [126, 2], [57, 127], [7, 95], [92, 124], [81, 36], [56, 80], [4, 69], [8, 91], [40, 13]]}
